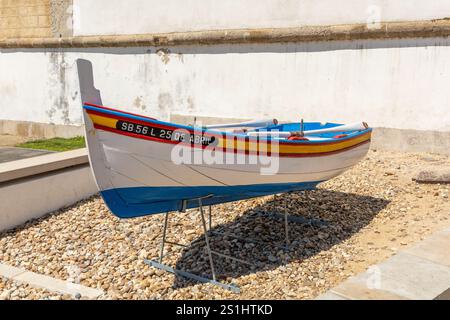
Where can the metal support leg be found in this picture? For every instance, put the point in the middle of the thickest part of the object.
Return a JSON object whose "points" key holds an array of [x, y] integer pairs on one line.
{"points": [[286, 228], [163, 242], [286, 223], [210, 219], [208, 248]]}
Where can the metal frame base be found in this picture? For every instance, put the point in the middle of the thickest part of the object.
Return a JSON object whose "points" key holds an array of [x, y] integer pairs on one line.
{"points": [[207, 231], [192, 276]]}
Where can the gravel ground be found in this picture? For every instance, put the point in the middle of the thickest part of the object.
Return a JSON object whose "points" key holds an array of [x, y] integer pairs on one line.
{"points": [[370, 212]]}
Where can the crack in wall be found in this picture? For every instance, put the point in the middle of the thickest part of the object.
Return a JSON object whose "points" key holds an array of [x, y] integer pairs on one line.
{"points": [[60, 105]]}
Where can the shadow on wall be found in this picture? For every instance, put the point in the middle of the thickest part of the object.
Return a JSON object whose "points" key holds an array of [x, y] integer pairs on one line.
{"points": [[254, 48], [344, 214]]}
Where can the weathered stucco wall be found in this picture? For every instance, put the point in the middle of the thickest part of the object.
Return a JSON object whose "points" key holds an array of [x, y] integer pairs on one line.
{"points": [[393, 72], [61, 18], [389, 83], [102, 17]]}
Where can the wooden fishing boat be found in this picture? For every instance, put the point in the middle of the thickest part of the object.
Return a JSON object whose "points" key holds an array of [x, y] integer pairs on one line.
{"points": [[136, 160]]}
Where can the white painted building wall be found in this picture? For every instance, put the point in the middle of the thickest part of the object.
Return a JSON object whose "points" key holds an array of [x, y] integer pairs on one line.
{"points": [[388, 83], [148, 16]]}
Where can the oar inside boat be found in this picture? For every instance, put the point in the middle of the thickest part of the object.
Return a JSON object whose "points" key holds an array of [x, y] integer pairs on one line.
{"points": [[249, 124], [358, 126]]}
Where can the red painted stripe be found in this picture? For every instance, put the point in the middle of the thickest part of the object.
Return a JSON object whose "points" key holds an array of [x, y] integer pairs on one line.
{"points": [[147, 123], [113, 116], [247, 139], [138, 136], [111, 109], [287, 155], [303, 155]]}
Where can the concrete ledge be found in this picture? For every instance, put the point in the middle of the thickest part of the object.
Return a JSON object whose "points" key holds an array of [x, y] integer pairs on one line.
{"points": [[37, 130], [33, 197], [48, 283], [189, 119], [403, 140], [386, 30], [44, 184], [9, 271], [42, 164]]}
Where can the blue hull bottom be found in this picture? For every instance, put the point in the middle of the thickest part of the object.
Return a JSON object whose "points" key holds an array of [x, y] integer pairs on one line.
{"points": [[141, 201]]}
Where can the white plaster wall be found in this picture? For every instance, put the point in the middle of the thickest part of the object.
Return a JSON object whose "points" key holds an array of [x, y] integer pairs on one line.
{"points": [[396, 83], [148, 16]]}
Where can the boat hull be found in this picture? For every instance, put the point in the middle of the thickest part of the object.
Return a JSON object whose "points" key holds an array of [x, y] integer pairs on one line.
{"points": [[137, 198], [137, 174]]}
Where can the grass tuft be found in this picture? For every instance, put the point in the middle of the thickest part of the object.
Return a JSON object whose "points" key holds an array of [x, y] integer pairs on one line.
{"points": [[55, 144]]}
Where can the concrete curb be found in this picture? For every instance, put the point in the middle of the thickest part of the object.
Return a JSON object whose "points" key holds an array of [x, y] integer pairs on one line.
{"points": [[42, 183], [42, 164], [48, 283], [39, 130], [421, 272]]}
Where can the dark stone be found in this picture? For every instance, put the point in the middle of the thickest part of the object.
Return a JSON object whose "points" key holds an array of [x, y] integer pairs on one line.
{"points": [[438, 175]]}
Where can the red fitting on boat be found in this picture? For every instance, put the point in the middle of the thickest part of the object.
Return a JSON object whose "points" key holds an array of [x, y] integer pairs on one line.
{"points": [[294, 137], [340, 136]]}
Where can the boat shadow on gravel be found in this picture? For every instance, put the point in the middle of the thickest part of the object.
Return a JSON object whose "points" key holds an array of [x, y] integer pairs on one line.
{"points": [[318, 220]]}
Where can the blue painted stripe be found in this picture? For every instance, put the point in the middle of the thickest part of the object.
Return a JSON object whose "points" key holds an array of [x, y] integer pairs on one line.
{"points": [[141, 201], [295, 126], [130, 116]]}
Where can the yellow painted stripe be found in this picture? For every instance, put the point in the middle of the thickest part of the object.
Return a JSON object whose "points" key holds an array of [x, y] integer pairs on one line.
{"points": [[254, 146], [309, 148], [103, 121], [293, 148]]}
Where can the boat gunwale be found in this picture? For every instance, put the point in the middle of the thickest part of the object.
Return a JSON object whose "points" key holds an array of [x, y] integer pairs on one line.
{"points": [[246, 152], [169, 125]]}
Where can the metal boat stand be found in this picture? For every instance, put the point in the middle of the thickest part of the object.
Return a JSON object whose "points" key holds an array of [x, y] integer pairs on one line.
{"points": [[159, 264], [207, 229]]}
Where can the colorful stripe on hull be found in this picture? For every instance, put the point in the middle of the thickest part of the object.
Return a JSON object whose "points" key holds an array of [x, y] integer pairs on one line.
{"points": [[119, 122]]}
